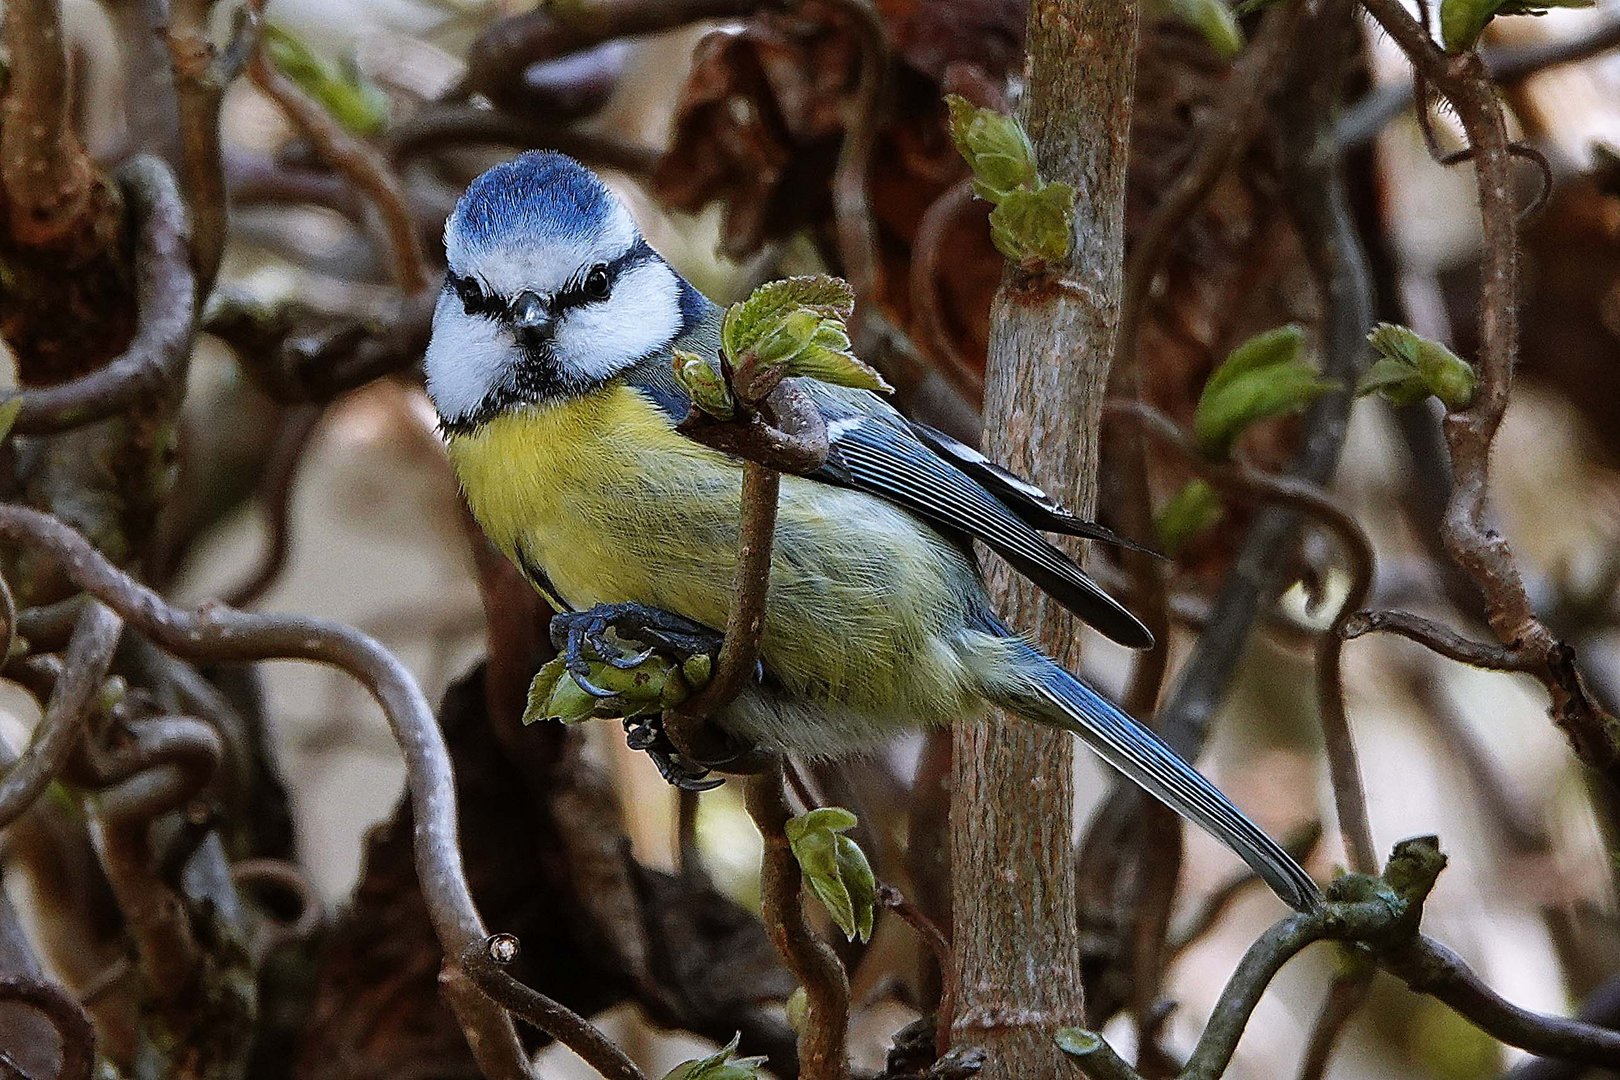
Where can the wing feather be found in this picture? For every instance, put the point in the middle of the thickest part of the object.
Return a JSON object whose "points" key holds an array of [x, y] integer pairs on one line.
{"points": [[875, 450]]}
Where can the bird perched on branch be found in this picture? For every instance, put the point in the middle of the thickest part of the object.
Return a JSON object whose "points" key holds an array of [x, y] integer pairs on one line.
{"points": [[550, 366]]}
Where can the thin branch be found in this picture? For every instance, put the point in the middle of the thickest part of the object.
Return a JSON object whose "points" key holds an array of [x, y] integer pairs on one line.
{"points": [[362, 165], [940, 947], [1508, 65], [932, 229], [1438, 637], [497, 59], [275, 494], [201, 77], [49, 180], [485, 963], [1223, 896], [219, 634], [442, 127], [823, 1053], [154, 364], [89, 656], [790, 436], [1345, 996], [1381, 917], [852, 202], [172, 759], [66, 1015], [1481, 551]]}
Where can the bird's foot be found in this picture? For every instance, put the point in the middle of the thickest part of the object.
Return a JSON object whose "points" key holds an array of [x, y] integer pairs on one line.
{"points": [[647, 734], [581, 637], [631, 657]]}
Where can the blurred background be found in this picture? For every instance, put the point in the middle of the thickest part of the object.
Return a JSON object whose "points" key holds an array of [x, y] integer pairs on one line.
{"points": [[308, 477]]}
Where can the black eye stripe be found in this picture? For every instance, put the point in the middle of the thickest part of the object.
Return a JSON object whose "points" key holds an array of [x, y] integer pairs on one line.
{"points": [[478, 301]]}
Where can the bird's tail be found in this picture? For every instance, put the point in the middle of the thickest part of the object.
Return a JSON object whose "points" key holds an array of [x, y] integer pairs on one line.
{"points": [[1042, 690]]}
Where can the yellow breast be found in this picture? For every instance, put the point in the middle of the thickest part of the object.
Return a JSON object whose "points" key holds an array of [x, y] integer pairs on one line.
{"points": [[604, 498]]}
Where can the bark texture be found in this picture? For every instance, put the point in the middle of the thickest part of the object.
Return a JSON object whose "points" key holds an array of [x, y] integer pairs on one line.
{"points": [[1016, 936]]}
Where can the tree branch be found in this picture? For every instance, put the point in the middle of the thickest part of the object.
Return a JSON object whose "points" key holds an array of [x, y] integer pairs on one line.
{"points": [[823, 1052], [1379, 916], [154, 364], [362, 165], [84, 668], [1474, 545], [220, 634]]}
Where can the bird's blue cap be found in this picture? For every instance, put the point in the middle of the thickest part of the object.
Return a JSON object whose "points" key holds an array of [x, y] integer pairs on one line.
{"points": [[541, 194]]}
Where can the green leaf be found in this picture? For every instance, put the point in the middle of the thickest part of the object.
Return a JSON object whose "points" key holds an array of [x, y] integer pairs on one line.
{"points": [[1216, 22], [1033, 224], [719, 1065], [354, 102], [545, 680], [829, 818], [1265, 376], [1409, 367], [570, 702], [1282, 345], [795, 327], [798, 1009], [748, 322], [10, 409], [704, 384], [1254, 395], [995, 146], [1189, 512], [1462, 21], [860, 883], [835, 869]]}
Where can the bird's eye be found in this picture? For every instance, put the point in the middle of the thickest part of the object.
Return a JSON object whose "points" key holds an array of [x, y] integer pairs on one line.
{"points": [[470, 293], [597, 284]]}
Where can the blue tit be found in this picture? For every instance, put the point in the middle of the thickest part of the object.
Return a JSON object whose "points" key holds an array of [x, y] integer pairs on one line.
{"points": [[550, 369]]}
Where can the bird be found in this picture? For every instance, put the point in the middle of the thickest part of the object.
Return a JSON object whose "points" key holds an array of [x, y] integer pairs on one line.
{"points": [[550, 368]]}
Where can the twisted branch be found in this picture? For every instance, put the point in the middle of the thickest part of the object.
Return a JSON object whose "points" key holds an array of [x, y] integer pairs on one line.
{"points": [[165, 291]]}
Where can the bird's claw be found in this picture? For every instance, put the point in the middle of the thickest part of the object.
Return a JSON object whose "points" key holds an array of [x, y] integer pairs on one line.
{"points": [[582, 636], [646, 733]]}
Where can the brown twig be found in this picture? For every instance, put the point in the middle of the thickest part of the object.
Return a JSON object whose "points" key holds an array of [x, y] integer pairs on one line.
{"points": [[1438, 637], [497, 59], [1508, 65], [822, 1041], [220, 634], [65, 1014], [1346, 994], [1473, 544], [441, 126], [485, 962], [362, 165], [201, 76], [790, 436], [939, 946], [84, 669], [275, 493], [49, 180], [1382, 918], [154, 364], [1223, 896], [925, 277], [852, 202]]}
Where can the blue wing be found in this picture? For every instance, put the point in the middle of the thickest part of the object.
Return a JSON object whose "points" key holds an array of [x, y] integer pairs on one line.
{"points": [[941, 480], [874, 449]]}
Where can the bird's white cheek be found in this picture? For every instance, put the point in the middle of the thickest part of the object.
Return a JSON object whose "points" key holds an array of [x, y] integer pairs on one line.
{"points": [[466, 358], [643, 314]]}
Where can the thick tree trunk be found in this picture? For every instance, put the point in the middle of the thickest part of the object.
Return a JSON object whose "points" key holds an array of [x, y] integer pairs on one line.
{"points": [[1016, 941]]}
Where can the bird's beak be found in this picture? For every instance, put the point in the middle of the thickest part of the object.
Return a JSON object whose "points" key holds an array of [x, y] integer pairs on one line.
{"points": [[532, 321]]}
